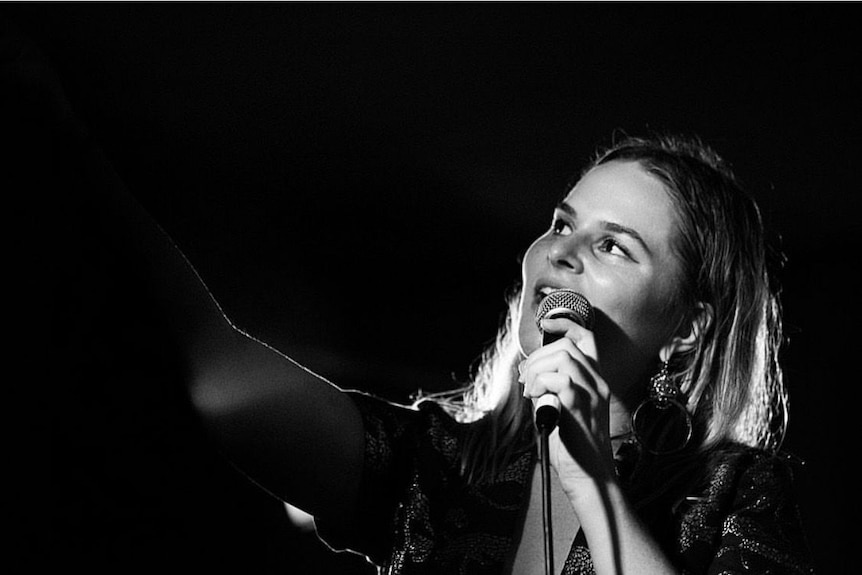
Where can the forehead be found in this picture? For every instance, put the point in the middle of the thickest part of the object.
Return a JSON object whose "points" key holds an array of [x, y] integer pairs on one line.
{"points": [[626, 194]]}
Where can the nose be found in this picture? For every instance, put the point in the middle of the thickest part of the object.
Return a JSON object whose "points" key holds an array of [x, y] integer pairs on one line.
{"points": [[563, 254]]}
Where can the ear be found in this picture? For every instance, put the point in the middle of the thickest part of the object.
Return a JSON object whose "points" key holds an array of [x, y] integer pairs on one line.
{"points": [[691, 329]]}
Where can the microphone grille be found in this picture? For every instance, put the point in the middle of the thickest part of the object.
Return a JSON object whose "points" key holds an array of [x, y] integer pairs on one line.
{"points": [[568, 301]]}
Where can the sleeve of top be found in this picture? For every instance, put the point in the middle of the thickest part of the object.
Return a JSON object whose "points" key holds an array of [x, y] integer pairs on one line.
{"points": [[404, 447], [748, 521]]}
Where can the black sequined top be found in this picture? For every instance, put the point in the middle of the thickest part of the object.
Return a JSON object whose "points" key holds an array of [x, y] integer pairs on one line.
{"points": [[417, 515]]}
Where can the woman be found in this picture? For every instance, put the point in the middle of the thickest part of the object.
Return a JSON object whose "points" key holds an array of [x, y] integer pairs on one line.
{"points": [[672, 403]]}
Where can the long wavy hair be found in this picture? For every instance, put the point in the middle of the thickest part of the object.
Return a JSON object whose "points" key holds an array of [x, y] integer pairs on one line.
{"points": [[732, 380]]}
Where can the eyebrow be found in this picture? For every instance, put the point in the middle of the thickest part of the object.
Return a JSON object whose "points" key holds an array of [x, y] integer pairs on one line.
{"points": [[608, 226]]}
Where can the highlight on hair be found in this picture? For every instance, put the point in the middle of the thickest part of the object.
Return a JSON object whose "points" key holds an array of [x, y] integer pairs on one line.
{"points": [[732, 380], [501, 418]]}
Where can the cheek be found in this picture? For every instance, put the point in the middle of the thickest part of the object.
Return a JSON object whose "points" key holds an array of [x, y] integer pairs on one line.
{"points": [[643, 322], [532, 257], [628, 342], [529, 338]]}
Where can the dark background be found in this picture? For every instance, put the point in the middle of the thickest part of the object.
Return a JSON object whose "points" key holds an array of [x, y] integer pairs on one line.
{"points": [[355, 183]]}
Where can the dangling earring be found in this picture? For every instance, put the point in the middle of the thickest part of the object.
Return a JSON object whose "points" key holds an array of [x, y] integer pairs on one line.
{"points": [[661, 423]]}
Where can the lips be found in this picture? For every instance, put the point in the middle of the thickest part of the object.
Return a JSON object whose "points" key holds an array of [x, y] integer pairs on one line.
{"points": [[541, 291]]}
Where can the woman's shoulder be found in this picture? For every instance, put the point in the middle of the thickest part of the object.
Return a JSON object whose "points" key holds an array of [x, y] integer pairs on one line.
{"points": [[746, 513], [744, 486], [744, 469]]}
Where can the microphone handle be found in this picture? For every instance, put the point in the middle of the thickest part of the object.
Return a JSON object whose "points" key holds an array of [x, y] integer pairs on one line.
{"points": [[547, 412], [548, 406]]}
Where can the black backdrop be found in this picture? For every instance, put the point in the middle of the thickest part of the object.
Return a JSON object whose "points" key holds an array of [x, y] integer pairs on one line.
{"points": [[355, 182]]}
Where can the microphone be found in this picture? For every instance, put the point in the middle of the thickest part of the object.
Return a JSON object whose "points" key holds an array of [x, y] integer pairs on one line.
{"points": [[563, 303]]}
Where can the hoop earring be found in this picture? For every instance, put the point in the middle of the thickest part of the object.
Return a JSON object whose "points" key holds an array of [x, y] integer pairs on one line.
{"points": [[661, 423]]}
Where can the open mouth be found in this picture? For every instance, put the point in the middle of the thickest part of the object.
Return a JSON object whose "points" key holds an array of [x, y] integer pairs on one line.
{"points": [[541, 292]]}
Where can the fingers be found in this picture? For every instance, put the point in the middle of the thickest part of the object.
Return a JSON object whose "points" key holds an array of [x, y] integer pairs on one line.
{"points": [[574, 332], [561, 375], [562, 355], [564, 368], [557, 384]]}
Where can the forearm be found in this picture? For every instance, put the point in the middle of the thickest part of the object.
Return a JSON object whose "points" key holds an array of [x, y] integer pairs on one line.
{"points": [[619, 543], [270, 415]]}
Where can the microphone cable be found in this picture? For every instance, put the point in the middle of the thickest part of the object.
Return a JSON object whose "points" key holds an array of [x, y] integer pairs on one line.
{"points": [[557, 304]]}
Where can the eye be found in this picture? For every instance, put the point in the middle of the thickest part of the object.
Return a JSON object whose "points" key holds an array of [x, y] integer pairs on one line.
{"points": [[613, 247], [560, 228]]}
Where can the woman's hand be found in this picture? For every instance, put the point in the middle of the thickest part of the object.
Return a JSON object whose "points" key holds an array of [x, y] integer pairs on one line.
{"points": [[581, 452], [580, 447]]}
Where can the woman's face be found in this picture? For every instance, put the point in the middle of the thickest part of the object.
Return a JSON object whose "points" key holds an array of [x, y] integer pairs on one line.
{"points": [[611, 240]]}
